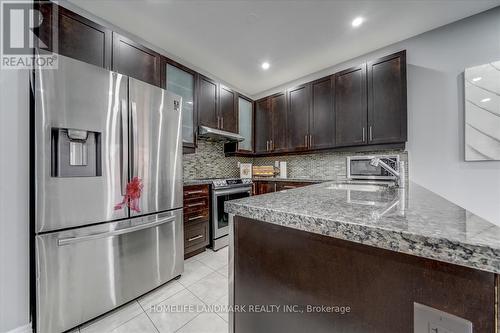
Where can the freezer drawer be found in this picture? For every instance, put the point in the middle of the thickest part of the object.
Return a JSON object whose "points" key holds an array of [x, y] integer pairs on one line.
{"points": [[83, 273]]}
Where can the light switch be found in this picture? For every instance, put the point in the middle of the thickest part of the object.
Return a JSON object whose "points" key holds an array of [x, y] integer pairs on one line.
{"points": [[430, 320]]}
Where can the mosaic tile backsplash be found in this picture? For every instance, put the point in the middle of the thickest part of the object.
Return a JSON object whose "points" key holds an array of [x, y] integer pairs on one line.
{"points": [[209, 162]]}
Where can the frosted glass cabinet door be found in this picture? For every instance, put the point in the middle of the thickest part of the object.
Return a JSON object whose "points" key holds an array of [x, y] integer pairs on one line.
{"points": [[181, 83], [245, 123]]}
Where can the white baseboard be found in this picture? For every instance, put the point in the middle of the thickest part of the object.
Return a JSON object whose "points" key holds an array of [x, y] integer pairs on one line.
{"points": [[21, 329]]}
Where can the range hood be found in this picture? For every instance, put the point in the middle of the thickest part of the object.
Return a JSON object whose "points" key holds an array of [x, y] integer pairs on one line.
{"points": [[212, 134]]}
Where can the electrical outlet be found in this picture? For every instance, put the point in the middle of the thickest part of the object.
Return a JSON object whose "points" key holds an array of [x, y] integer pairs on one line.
{"points": [[430, 320], [437, 328]]}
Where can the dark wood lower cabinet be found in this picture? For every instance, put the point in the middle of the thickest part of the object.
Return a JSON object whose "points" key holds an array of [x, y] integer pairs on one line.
{"points": [[263, 187], [276, 265], [196, 219]]}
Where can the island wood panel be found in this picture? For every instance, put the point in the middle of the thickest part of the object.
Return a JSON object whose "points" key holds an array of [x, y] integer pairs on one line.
{"points": [[279, 265]]}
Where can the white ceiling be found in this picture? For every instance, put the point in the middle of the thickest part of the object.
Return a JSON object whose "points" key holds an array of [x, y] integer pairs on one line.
{"points": [[230, 39]]}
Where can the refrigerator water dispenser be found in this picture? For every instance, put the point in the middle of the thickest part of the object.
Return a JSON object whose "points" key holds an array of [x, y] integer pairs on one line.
{"points": [[75, 153]]}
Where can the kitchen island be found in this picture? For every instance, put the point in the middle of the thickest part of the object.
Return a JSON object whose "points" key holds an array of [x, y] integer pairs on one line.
{"points": [[373, 250]]}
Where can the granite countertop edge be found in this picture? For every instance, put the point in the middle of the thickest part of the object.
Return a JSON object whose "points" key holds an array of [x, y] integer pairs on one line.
{"points": [[476, 256]]}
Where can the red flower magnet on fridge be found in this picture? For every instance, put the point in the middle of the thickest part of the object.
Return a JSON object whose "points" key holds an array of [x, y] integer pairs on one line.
{"points": [[132, 195]]}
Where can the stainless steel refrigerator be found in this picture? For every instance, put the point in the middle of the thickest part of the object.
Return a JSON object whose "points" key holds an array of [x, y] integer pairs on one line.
{"points": [[97, 134]]}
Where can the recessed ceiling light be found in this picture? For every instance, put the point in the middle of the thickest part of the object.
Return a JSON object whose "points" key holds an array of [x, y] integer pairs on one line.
{"points": [[265, 65], [477, 79], [484, 100], [357, 22]]}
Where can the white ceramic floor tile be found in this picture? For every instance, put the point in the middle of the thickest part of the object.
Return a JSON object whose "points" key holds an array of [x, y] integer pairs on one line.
{"points": [[172, 314], [221, 304], [210, 288], [139, 324], [205, 323], [113, 319], [194, 271], [215, 260], [160, 294], [224, 271]]}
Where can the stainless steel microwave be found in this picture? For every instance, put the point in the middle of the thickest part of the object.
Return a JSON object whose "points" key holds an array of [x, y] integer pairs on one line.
{"points": [[359, 167]]}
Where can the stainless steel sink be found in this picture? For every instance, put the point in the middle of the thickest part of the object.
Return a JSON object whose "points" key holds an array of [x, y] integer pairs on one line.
{"points": [[358, 187]]}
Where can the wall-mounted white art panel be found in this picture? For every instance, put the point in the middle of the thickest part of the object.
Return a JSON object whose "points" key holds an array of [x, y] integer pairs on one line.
{"points": [[482, 112]]}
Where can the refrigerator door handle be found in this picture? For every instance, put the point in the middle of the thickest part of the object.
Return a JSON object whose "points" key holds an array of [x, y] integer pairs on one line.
{"points": [[73, 240], [133, 146], [124, 152]]}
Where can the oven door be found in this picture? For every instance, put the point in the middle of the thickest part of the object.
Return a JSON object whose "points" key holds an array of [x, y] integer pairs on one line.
{"points": [[220, 219]]}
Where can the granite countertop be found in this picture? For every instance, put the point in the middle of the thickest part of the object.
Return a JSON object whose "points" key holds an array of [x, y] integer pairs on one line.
{"points": [[303, 180], [414, 221], [188, 182]]}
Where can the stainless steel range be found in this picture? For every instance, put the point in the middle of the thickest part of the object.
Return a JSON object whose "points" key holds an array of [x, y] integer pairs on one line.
{"points": [[224, 190]]}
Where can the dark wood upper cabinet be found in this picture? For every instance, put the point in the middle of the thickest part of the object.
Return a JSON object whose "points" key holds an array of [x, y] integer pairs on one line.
{"points": [[77, 37], [279, 122], [322, 120], [298, 118], [387, 113], [262, 126], [135, 60], [207, 102], [351, 107], [228, 111]]}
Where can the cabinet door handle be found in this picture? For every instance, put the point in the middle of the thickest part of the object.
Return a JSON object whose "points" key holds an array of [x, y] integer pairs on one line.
{"points": [[371, 133], [364, 134], [267, 145], [221, 122], [310, 140], [272, 145], [196, 204], [195, 238], [195, 217], [305, 141], [194, 192]]}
